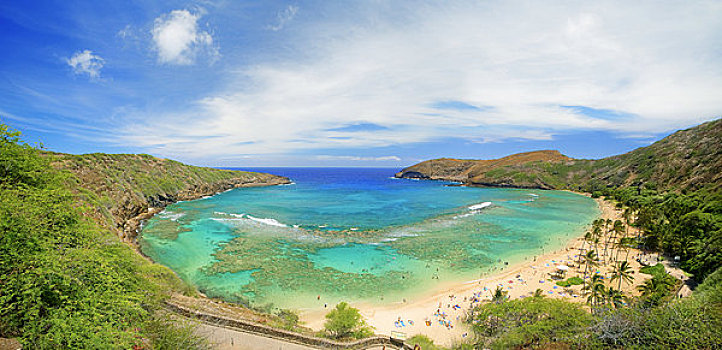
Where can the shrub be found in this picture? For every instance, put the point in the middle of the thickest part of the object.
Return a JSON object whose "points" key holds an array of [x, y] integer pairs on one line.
{"points": [[654, 270], [530, 322], [345, 321], [575, 281], [423, 341]]}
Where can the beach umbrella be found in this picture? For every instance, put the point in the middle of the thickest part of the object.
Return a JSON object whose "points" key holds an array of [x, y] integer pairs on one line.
{"points": [[563, 267]]}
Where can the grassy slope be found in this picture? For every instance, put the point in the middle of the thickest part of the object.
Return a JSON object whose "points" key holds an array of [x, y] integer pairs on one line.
{"points": [[122, 186], [687, 160], [66, 280]]}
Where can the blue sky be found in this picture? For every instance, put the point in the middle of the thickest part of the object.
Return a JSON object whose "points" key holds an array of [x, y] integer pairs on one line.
{"points": [[365, 83]]}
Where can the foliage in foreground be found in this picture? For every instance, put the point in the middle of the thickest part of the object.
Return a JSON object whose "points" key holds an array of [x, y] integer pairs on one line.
{"points": [[345, 321], [530, 322], [64, 283], [690, 323], [424, 342]]}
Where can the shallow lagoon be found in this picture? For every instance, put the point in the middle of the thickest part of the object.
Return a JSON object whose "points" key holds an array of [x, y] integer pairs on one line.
{"points": [[355, 235]]}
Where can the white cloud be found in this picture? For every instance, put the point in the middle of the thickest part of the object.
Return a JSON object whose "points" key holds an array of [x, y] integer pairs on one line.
{"points": [[284, 17], [178, 40], [85, 62], [657, 62]]}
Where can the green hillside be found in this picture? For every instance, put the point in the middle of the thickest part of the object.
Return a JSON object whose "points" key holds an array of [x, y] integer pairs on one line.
{"points": [[66, 280], [123, 189], [687, 160]]}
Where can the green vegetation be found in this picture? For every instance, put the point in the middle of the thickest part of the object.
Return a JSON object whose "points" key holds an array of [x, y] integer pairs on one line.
{"points": [[289, 319], [684, 225], [66, 283], [530, 322], [345, 321], [654, 270], [573, 281], [424, 342], [117, 187], [659, 288], [689, 323]]}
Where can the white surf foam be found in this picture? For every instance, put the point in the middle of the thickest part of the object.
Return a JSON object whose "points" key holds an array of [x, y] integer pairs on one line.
{"points": [[479, 206], [169, 215], [267, 221]]}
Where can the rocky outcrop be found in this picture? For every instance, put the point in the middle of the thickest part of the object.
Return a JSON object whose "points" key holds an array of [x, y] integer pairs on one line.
{"points": [[123, 190], [155, 204], [482, 172]]}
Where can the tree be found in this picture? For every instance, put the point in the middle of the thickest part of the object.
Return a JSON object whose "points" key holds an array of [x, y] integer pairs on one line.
{"points": [[499, 295], [595, 288], [657, 284], [590, 260], [622, 271], [618, 229], [530, 323], [345, 321], [587, 238], [614, 297]]}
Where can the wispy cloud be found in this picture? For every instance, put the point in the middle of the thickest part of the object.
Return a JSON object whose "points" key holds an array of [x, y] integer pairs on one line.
{"points": [[283, 17], [126, 32], [86, 63], [178, 40], [480, 71], [357, 158]]}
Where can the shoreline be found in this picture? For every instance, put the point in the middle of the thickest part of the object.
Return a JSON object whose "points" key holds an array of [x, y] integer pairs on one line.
{"points": [[384, 317], [444, 299]]}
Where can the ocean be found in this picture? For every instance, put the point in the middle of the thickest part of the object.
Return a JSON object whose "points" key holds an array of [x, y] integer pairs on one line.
{"points": [[357, 235]]}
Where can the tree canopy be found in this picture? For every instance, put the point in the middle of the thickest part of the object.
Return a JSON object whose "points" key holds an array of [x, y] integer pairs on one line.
{"points": [[345, 321]]}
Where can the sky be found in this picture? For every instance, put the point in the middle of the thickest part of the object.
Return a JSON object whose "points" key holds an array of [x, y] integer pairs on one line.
{"points": [[356, 83]]}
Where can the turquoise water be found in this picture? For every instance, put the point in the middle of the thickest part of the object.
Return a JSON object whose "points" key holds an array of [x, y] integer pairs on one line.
{"points": [[355, 235]]}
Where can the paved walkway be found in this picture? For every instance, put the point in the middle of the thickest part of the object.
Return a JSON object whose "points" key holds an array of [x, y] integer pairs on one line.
{"points": [[231, 339]]}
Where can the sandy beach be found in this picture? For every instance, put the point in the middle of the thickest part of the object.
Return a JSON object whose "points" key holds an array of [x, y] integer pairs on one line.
{"points": [[440, 316]]}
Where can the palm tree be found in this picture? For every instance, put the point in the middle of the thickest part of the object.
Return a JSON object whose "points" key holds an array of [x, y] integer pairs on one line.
{"points": [[618, 228], [607, 223], [596, 233], [590, 259], [614, 297], [627, 215], [587, 238], [595, 287], [657, 283], [538, 293], [499, 295], [622, 271]]}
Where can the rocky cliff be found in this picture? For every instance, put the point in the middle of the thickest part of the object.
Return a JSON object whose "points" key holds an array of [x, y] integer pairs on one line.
{"points": [[482, 172], [122, 190]]}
